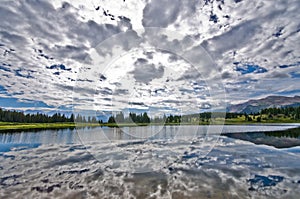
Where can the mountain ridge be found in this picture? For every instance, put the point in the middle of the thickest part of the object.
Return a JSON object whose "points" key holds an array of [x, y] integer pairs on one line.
{"points": [[255, 105]]}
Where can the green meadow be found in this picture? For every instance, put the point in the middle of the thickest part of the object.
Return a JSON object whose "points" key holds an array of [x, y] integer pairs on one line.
{"points": [[27, 126]]}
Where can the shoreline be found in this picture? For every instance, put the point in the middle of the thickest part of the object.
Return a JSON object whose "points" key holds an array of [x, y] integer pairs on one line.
{"points": [[11, 127]]}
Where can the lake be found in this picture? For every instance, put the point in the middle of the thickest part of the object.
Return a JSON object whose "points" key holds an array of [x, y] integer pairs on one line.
{"points": [[232, 161]]}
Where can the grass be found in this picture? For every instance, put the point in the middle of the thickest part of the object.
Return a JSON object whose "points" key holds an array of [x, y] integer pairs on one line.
{"points": [[27, 126], [24, 126]]}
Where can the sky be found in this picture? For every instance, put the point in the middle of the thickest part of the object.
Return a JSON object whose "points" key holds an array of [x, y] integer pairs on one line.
{"points": [[160, 56]]}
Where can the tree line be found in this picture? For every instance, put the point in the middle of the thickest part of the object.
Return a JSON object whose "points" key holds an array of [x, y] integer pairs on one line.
{"points": [[133, 117], [144, 118], [289, 111], [271, 113], [17, 116]]}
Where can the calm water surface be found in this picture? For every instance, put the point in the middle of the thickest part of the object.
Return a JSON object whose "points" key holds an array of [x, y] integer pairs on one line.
{"points": [[250, 161]]}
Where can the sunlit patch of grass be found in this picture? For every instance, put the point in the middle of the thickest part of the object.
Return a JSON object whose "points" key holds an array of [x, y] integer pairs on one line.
{"points": [[26, 126], [12, 126]]}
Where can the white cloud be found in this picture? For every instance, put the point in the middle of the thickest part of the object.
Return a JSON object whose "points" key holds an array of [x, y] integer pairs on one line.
{"points": [[37, 35]]}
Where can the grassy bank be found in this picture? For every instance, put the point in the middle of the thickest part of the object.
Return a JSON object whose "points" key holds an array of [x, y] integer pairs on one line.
{"points": [[4, 126], [25, 126]]}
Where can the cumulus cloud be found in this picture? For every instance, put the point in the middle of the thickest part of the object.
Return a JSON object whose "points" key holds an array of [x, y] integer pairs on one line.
{"points": [[146, 72], [45, 50], [40, 37], [159, 13]]}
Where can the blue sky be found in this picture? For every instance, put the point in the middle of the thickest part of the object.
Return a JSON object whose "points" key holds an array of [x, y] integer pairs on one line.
{"points": [[102, 56]]}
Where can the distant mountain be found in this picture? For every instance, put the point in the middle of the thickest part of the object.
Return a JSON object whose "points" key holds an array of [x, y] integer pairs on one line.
{"points": [[253, 106]]}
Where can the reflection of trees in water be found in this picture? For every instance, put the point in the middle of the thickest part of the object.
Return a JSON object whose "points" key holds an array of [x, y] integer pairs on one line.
{"points": [[290, 133], [279, 139]]}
